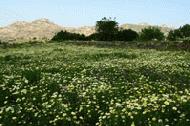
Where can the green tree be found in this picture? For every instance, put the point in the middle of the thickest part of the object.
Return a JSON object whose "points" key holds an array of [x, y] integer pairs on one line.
{"points": [[106, 29], [180, 33], [174, 35], [185, 30], [151, 33]]}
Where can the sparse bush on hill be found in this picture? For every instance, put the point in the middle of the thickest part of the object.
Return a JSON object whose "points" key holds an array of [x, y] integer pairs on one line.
{"points": [[151, 33]]}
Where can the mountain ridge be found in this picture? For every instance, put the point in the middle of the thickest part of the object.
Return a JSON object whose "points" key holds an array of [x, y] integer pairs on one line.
{"points": [[44, 29]]}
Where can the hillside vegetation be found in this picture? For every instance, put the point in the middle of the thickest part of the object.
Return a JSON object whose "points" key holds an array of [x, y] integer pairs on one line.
{"points": [[107, 29], [65, 84]]}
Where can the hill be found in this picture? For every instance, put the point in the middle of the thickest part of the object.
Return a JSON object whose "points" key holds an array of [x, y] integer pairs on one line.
{"points": [[43, 29], [138, 27], [24, 31]]}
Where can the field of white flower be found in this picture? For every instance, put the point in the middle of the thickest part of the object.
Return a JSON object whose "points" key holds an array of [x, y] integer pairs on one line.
{"points": [[68, 85]]}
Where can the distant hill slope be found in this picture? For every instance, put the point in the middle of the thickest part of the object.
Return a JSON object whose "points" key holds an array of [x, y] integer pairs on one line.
{"points": [[43, 29], [86, 30], [39, 29], [138, 27]]}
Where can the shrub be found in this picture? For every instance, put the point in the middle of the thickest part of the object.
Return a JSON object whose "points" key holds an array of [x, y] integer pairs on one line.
{"points": [[93, 36], [151, 33], [127, 35], [180, 33], [174, 35], [33, 76], [186, 40], [64, 35], [185, 30]]}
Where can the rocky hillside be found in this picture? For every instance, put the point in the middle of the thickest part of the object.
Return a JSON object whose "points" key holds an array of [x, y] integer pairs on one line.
{"points": [[41, 29], [44, 29]]}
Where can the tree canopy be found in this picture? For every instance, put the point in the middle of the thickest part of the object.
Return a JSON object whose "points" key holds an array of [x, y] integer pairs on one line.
{"points": [[106, 29], [185, 30], [151, 33], [180, 33]]}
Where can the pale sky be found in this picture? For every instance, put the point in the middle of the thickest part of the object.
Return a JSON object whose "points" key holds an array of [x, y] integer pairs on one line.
{"points": [[87, 12]]}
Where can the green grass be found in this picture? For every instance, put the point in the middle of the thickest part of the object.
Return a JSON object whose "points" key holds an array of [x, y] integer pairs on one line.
{"points": [[67, 84]]}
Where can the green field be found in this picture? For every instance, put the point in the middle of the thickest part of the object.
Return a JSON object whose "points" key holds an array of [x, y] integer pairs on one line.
{"points": [[67, 85]]}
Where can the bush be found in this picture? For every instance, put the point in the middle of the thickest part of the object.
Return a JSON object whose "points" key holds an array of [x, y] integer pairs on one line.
{"points": [[151, 33], [33, 76], [64, 35], [93, 36], [185, 30], [127, 35], [180, 33], [186, 40], [174, 35]]}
